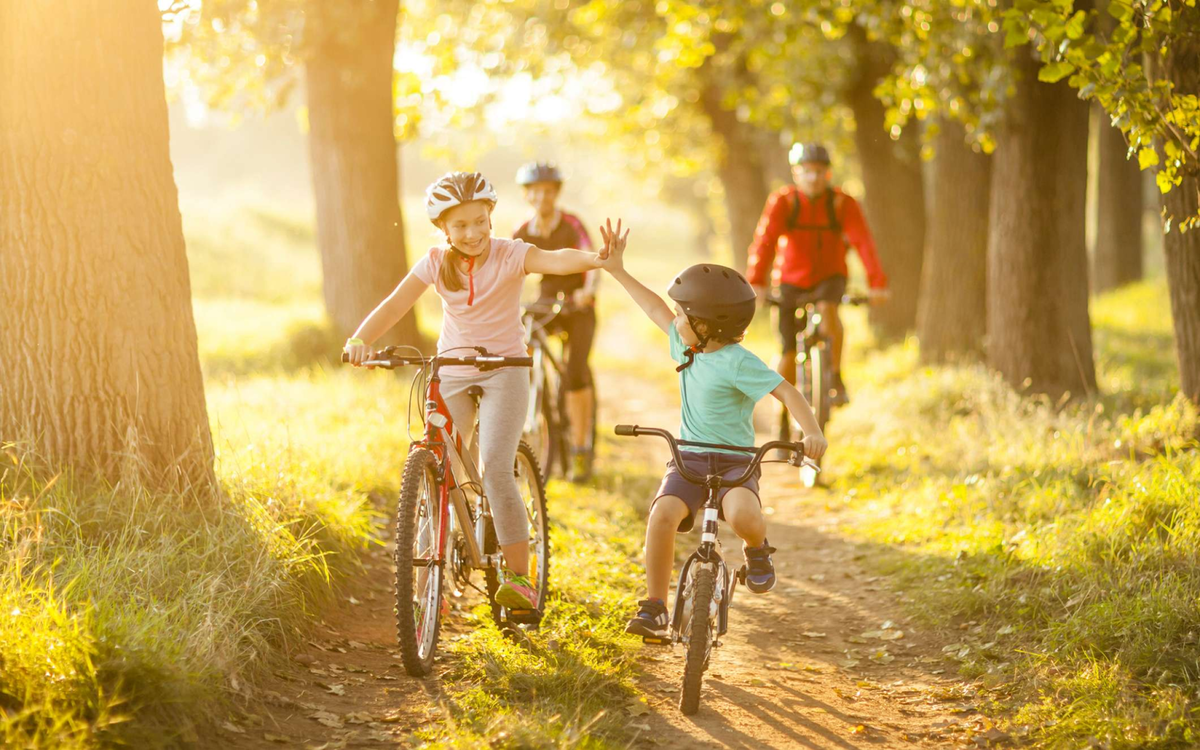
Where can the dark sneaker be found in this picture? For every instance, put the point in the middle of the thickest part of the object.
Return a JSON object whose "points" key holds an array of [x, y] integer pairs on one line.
{"points": [[581, 465], [760, 571], [651, 620], [840, 397]]}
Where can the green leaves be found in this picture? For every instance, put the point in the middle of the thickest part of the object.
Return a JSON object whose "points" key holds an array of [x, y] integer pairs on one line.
{"points": [[1055, 72]]}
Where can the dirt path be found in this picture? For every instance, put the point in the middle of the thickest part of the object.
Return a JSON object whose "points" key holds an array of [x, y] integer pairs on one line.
{"points": [[826, 660]]}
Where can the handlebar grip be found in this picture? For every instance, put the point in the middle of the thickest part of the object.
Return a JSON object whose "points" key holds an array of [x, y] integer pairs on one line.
{"points": [[521, 361], [345, 357], [626, 430]]}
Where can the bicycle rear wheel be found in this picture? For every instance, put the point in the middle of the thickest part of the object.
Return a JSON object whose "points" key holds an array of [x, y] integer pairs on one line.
{"points": [[418, 569], [699, 630], [533, 495]]}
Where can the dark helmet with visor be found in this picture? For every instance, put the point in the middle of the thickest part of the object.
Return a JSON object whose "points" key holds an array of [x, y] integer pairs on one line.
{"points": [[808, 153]]}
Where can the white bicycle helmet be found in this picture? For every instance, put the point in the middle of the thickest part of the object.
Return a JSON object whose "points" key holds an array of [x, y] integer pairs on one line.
{"points": [[456, 188]]}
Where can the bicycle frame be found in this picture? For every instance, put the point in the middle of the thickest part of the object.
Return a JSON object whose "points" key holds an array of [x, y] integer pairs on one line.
{"points": [[458, 474], [539, 342]]}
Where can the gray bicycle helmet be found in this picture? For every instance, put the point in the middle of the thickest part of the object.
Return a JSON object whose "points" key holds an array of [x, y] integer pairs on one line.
{"points": [[803, 153], [538, 171], [456, 188], [719, 296]]}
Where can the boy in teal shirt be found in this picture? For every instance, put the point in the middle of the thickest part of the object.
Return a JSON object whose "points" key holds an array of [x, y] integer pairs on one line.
{"points": [[720, 382]]}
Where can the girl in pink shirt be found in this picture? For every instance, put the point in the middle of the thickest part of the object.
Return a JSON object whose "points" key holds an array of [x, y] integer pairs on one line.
{"points": [[479, 279]]}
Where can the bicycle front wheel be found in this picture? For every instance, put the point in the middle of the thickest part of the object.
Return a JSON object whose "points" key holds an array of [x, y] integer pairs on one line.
{"points": [[418, 567], [700, 637], [819, 379]]}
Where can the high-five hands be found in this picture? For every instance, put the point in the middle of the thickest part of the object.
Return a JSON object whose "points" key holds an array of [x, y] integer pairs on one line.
{"points": [[613, 252]]}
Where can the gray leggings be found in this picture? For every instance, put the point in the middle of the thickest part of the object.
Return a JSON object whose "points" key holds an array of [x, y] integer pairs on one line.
{"points": [[501, 421]]}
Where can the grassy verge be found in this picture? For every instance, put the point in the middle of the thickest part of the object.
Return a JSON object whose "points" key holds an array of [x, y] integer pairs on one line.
{"points": [[571, 684], [1059, 541], [129, 615]]}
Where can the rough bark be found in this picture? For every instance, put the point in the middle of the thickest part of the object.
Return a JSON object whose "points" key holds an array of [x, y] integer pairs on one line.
{"points": [[1119, 209], [952, 312], [352, 146], [1182, 250], [101, 374], [739, 167], [1039, 335], [895, 200]]}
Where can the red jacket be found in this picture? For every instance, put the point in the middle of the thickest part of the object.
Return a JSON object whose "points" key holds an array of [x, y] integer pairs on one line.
{"points": [[813, 250]]}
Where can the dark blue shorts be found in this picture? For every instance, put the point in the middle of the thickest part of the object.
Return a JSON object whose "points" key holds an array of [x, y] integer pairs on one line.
{"points": [[730, 466]]}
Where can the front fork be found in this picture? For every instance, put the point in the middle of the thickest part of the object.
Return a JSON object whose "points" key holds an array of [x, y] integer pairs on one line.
{"points": [[708, 554]]}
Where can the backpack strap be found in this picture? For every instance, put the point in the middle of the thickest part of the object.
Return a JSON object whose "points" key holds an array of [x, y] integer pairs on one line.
{"points": [[833, 204]]}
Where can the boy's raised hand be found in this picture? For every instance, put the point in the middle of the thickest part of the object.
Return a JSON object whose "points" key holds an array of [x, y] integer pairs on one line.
{"points": [[613, 252]]}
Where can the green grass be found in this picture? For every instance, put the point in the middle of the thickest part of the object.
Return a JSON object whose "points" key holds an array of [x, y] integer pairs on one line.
{"points": [[568, 686], [132, 615], [1064, 538]]}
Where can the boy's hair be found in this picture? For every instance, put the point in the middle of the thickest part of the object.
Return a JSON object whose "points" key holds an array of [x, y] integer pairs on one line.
{"points": [[715, 339]]}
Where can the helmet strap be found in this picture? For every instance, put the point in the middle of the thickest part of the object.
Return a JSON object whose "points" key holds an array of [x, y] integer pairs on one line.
{"points": [[696, 348]]}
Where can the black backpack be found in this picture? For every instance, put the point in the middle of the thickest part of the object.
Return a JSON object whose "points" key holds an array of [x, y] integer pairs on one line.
{"points": [[834, 225]]}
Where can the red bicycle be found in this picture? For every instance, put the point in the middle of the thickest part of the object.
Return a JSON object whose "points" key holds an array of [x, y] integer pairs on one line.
{"points": [[436, 545]]}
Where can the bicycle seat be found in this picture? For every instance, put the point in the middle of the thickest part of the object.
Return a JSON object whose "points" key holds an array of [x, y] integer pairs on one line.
{"points": [[475, 392]]}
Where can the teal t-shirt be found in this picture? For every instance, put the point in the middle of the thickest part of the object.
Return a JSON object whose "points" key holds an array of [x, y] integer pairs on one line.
{"points": [[719, 392]]}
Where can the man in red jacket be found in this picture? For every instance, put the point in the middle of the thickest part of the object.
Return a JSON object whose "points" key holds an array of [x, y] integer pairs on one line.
{"points": [[815, 220]]}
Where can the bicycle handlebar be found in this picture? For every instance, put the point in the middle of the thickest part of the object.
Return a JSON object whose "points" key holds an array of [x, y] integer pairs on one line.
{"points": [[853, 299], [483, 361], [632, 430]]}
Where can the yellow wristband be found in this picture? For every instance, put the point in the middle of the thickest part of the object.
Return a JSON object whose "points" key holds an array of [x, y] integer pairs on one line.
{"points": [[355, 342]]}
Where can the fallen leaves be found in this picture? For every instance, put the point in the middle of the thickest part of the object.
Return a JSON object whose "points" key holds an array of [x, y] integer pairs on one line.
{"points": [[327, 719]]}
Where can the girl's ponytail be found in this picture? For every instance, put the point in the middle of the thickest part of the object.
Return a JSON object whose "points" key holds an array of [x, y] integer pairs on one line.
{"points": [[449, 274]]}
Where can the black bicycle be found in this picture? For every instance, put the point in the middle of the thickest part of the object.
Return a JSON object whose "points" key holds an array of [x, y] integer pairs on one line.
{"points": [[548, 425], [814, 368], [706, 584]]}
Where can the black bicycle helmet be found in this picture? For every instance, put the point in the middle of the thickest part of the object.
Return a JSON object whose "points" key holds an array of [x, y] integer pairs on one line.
{"points": [[538, 171], [804, 153], [719, 296]]}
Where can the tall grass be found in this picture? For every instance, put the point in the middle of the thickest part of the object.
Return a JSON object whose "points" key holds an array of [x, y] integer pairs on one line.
{"points": [[1062, 537]]}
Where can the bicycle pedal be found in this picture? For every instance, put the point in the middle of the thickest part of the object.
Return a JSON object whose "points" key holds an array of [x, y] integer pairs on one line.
{"points": [[741, 575], [524, 616], [656, 641]]}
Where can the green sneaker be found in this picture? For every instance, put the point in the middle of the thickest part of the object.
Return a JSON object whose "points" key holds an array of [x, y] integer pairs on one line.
{"points": [[517, 593]]}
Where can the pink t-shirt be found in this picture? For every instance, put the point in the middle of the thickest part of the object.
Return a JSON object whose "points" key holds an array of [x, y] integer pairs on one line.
{"points": [[493, 320]]}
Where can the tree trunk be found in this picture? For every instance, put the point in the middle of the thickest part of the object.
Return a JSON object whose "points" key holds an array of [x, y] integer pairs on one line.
{"points": [[952, 312], [776, 170], [1182, 251], [1119, 208], [740, 169], [1039, 335], [352, 146], [895, 200], [101, 374]]}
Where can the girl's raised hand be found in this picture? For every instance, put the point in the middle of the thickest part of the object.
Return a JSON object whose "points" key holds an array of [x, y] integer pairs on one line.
{"points": [[612, 254]]}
